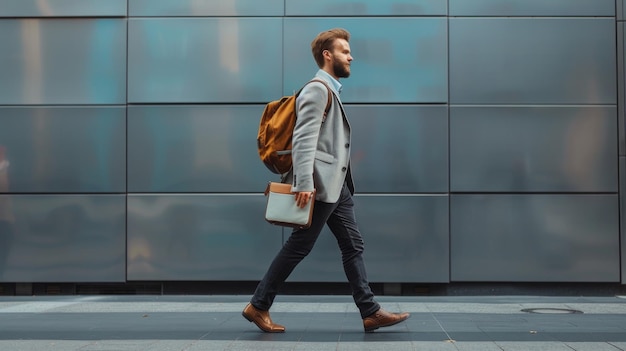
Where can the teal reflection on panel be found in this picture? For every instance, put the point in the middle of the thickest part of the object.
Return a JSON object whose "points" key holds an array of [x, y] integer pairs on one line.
{"points": [[534, 238], [399, 148], [64, 61], [165, 8], [204, 60], [406, 240], [532, 8], [532, 61], [195, 149], [64, 149], [63, 238], [62, 8], [400, 59], [533, 149], [365, 8], [199, 237]]}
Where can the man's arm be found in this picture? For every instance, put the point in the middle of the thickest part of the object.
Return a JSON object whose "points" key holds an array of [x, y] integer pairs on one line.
{"points": [[310, 107]]}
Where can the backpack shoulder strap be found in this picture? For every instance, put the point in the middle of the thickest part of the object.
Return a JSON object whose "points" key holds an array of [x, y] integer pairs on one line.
{"points": [[330, 95]]}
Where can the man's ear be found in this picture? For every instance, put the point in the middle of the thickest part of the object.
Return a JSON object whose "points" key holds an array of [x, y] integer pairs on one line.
{"points": [[326, 54]]}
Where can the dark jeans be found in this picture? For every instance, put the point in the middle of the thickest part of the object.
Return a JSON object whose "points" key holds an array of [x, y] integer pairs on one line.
{"points": [[340, 219]]}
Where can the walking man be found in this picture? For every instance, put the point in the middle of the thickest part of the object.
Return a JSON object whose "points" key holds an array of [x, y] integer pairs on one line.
{"points": [[321, 162]]}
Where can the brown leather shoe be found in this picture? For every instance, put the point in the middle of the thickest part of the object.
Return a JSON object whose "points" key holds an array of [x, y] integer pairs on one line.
{"points": [[382, 318], [261, 319]]}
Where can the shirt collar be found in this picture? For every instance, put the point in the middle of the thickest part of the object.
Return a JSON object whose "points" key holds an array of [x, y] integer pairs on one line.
{"points": [[334, 82]]}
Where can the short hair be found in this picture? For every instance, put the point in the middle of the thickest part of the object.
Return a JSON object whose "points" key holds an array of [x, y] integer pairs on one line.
{"points": [[325, 41]]}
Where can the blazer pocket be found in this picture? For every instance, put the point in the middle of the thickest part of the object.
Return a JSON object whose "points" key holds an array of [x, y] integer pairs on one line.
{"points": [[324, 157]]}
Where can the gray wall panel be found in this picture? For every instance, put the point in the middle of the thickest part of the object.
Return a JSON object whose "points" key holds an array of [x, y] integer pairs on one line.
{"points": [[621, 87], [399, 148], [365, 8], [538, 238], [532, 8], [195, 149], [532, 61], [63, 61], [204, 60], [395, 59], [622, 205], [406, 240], [64, 238], [513, 149], [206, 8], [199, 237], [62, 8], [65, 149]]}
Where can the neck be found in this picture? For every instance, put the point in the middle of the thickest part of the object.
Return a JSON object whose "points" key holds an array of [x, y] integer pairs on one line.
{"points": [[331, 72]]}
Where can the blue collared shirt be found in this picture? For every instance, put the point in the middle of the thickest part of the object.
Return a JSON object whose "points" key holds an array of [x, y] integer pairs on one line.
{"points": [[336, 85]]}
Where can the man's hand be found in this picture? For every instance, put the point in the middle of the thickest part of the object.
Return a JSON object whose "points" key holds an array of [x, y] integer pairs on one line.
{"points": [[303, 198]]}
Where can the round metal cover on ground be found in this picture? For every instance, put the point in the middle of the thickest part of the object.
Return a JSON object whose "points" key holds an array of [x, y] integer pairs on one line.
{"points": [[550, 310]]}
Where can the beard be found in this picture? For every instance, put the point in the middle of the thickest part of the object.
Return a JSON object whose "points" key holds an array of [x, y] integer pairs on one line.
{"points": [[341, 70]]}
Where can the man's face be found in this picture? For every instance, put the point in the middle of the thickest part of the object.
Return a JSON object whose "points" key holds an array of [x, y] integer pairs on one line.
{"points": [[341, 58]]}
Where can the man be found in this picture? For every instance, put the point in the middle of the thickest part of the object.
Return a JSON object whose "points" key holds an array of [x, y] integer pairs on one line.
{"points": [[321, 161]]}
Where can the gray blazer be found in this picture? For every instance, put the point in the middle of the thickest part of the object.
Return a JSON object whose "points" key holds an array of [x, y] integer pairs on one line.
{"points": [[320, 151]]}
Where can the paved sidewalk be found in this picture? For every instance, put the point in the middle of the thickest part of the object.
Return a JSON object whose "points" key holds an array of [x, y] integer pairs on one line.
{"points": [[156, 323]]}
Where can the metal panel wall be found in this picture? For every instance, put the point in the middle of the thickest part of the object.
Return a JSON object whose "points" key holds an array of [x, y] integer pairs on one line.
{"points": [[532, 61], [532, 8], [399, 148], [219, 60], [64, 238], [531, 134], [365, 8], [622, 205], [63, 8], [533, 149], [549, 238], [199, 237], [68, 61], [621, 69], [544, 122], [621, 87], [406, 240], [168, 8], [64, 149], [395, 59], [195, 149]]}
